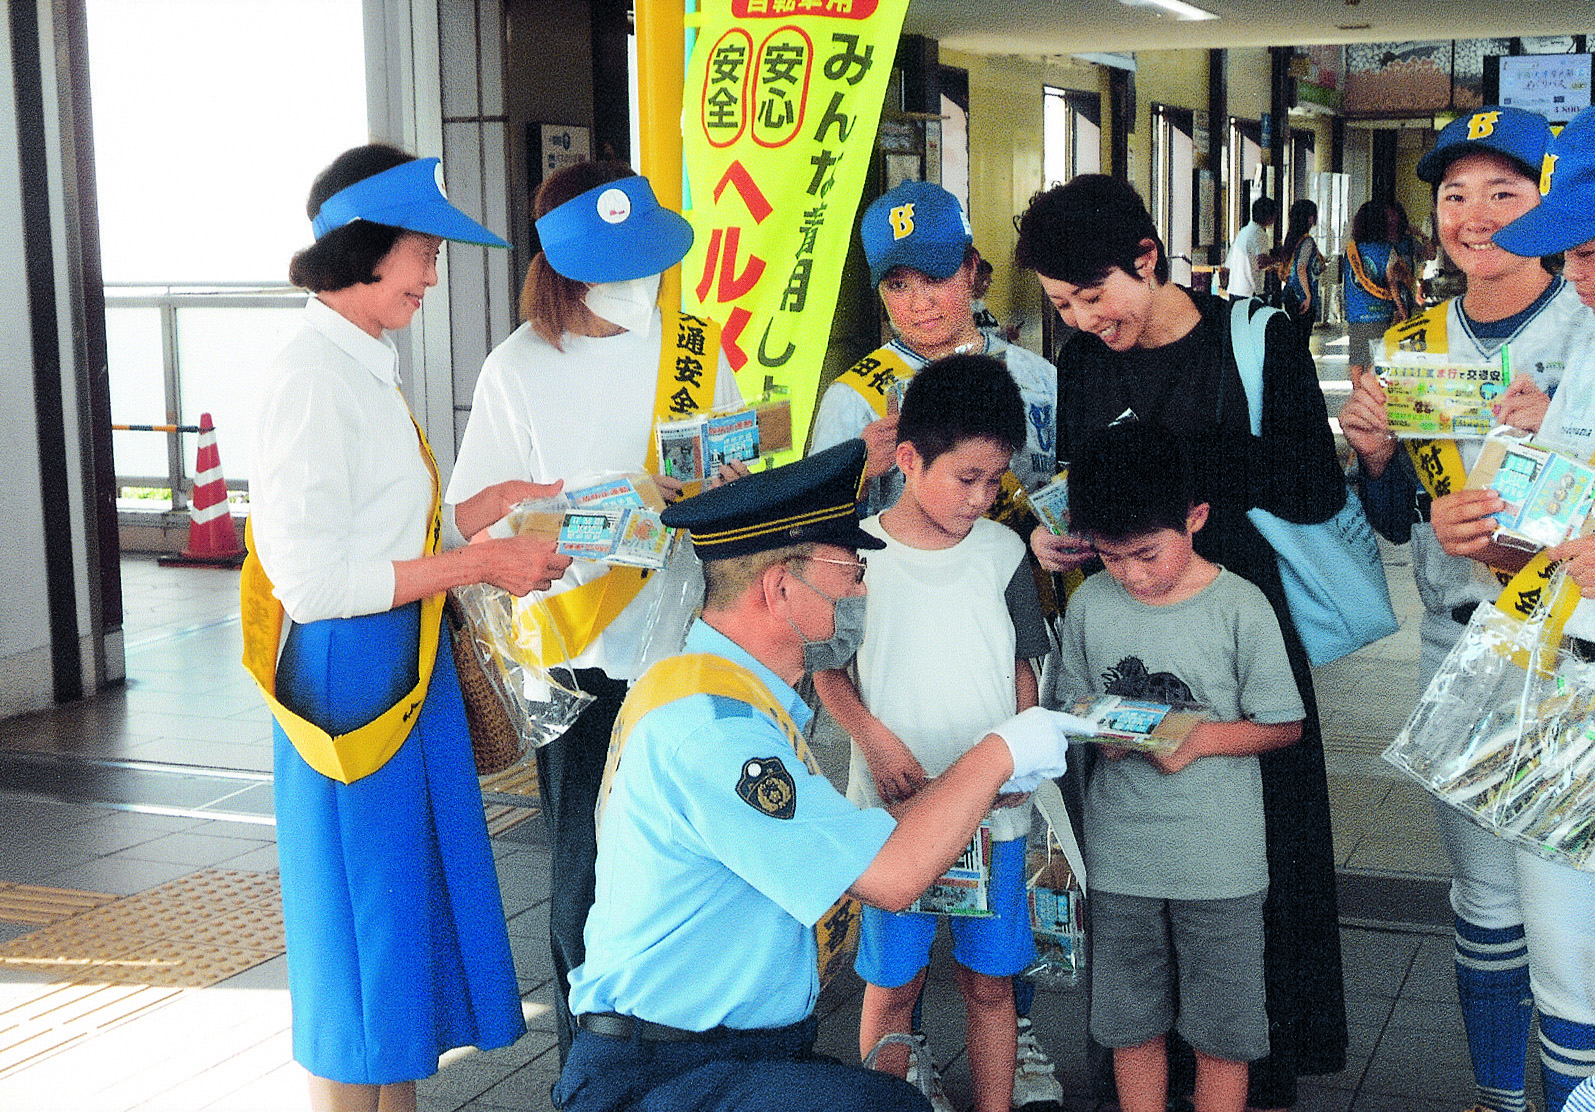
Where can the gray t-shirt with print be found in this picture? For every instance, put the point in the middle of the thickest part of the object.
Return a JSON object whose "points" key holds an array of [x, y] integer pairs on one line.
{"points": [[1196, 834]]}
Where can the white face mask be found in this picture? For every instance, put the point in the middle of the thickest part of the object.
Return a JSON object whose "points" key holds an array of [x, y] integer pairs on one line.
{"points": [[627, 304]]}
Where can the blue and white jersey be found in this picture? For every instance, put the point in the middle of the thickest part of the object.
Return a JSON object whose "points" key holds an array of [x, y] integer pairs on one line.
{"points": [[705, 901]]}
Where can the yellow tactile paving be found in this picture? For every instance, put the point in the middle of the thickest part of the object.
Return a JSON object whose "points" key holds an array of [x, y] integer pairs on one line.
{"points": [[28, 903], [116, 958]]}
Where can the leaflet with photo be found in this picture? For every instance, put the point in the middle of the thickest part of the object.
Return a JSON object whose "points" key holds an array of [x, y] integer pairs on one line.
{"points": [[693, 448], [965, 888], [1133, 723], [681, 449], [1050, 503], [630, 535], [1433, 396], [642, 540], [1547, 495], [729, 436]]}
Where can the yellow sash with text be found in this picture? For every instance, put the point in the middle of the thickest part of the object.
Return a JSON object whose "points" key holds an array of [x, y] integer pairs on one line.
{"points": [[677, 677], [360, 752], [688, 372], [872, 377]]}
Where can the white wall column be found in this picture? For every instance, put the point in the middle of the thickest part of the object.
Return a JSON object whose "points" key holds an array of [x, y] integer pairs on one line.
{"points": [[436, 88]]}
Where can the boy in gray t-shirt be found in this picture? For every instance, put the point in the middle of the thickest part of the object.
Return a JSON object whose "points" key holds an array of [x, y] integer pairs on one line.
{"points": [[1174, 842]]}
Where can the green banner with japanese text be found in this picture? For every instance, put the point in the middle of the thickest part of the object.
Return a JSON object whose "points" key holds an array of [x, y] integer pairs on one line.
{"points": [[780, 107]]}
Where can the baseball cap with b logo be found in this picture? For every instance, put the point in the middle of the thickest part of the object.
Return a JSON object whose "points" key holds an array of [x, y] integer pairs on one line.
{"points": [[1565, 216], [917, 224], [1509, 132]]}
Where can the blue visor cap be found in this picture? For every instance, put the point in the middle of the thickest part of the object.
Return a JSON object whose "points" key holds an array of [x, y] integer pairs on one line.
{"points": [[1510, 132], [409, 196], [1565, 216], [918, 224], [613, 233]]}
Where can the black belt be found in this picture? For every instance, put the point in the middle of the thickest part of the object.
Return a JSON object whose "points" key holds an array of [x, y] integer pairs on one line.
{"points": [[613, 1025]]}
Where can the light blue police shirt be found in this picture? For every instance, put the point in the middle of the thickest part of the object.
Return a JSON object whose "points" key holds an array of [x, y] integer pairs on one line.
{"points": [[705, 904]]}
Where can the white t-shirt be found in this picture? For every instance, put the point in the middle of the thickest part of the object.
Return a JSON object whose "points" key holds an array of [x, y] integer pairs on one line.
{"points": [[1245, 276], [937, 666], [542, 414], [340, 489]]}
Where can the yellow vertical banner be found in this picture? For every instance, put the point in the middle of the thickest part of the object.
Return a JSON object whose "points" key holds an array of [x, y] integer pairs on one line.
{"points": [[780, 107]]}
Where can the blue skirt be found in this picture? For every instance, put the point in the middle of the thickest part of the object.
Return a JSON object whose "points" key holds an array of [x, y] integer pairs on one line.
{"points": [[397, 946]]}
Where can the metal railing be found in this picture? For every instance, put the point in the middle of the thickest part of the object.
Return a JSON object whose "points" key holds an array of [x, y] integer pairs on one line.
{"points": [[180, 349]]}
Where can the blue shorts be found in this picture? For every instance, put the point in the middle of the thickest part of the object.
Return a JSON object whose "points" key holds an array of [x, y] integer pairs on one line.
{"points": [[894, 947]]}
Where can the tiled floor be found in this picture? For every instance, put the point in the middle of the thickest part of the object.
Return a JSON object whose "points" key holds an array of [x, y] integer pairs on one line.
{"points": [[170, 776]]}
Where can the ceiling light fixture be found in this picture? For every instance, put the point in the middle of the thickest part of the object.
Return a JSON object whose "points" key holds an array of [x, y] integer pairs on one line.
{"points": [[1177, 8]]}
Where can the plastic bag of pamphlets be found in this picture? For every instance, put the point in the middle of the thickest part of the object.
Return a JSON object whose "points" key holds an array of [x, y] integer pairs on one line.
{"points": [[637, 577], [1505, 732], [1053, 891], [539, 701]]}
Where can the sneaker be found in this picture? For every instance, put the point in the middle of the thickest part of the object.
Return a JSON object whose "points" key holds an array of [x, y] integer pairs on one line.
{"points": [[1034, 1083], [922, 1073]]}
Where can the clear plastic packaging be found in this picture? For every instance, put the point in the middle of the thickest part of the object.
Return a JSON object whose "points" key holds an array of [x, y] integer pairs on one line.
{"points": [[541, 702], [1057, 903], [1505, 733], [519, 644]]}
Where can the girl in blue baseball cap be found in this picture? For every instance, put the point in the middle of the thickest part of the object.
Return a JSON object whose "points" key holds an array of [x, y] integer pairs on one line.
{"points": [[396, 939], [1524, 925]]}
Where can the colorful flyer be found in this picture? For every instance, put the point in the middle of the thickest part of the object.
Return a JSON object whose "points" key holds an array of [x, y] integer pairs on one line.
{"points": [[1050, 503], [1547, 495], [1431, 396], [964, 889]]}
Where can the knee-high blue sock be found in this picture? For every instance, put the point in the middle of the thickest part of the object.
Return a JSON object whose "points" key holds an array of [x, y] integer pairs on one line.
{"points": [[1493, 986], [1567, 1056]]}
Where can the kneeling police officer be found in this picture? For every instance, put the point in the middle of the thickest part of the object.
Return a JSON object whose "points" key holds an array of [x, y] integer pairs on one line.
{"points": [[720, 849]]}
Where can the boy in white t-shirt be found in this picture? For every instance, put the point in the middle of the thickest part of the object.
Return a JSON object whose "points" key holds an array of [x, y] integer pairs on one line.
{"points": [[951, 623], [1174, 842]]}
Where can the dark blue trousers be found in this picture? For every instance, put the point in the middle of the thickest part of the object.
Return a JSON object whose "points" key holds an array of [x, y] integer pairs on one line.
{"points": [[569, 771], [745, 1071]]}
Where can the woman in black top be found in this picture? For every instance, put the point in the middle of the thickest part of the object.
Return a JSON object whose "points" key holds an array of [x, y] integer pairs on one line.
{"points": [[1152, 351]]}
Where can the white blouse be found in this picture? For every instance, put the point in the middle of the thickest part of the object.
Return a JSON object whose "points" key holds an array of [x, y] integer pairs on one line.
{"points": [[340, 489]]}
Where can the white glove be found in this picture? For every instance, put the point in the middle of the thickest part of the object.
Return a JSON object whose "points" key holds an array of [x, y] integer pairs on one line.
{"points": [[1038, 745]]}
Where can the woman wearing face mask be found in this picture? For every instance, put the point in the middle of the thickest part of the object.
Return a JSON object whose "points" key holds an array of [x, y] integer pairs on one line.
{"points": [[573, 394]]}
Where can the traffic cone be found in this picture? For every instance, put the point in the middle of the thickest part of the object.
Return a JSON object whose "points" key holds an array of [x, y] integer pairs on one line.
{"points": [[211, 539]]}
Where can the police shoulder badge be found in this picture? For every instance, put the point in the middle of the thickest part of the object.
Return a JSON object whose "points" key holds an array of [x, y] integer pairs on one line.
{"points": [[767, 787]]}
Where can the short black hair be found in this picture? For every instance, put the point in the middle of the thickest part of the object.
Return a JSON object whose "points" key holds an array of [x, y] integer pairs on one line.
{"points": [[1265, 209], [1078, 233], [959, 398], [347, 255], [1132, 478]]}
